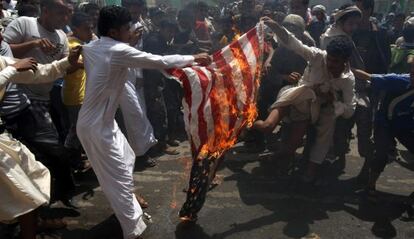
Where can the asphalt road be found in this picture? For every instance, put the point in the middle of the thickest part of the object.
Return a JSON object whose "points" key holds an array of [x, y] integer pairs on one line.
{"points": [[251, 202]]}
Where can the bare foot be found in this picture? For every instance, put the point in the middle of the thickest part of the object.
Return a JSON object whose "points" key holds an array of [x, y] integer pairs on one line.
{"points": [[141, 201]]}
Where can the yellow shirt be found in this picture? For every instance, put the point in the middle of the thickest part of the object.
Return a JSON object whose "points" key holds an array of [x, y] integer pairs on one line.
{"points": [[74, 85]]}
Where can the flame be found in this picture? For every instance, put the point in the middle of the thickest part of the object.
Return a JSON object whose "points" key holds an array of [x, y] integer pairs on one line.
{"points": [[226, 137]]}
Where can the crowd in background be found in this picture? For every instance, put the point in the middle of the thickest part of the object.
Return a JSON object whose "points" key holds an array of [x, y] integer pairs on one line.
{"points": [[44, 116]]}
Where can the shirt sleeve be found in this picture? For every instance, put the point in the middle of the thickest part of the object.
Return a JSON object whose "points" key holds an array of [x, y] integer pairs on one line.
{"points": [[131, 57], [14, 32], [5, 75], [390, 82], [65, 49], [294, 44], [347, 107], [44, 74]]}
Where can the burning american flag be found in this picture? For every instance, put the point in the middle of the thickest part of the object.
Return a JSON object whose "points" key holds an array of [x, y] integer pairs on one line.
{"points": [[220, 100]]}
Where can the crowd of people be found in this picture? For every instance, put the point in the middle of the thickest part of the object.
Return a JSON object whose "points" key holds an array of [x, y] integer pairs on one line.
{"points": [[324, 73]]}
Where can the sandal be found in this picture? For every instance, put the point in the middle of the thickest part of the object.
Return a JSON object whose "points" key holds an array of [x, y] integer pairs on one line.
{"points": [[170, 151], [144, 204]]}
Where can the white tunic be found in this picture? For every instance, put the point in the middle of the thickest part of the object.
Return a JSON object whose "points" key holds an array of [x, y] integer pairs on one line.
{"points": [[25, 182], [139, 129], [317, 78], [107, 63]]}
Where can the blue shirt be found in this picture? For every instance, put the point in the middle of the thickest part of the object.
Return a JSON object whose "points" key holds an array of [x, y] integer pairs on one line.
{"points": [[396, 110]]}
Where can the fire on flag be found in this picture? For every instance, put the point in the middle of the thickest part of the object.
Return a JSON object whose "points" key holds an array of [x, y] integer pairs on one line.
{"points": [[220, 99]]}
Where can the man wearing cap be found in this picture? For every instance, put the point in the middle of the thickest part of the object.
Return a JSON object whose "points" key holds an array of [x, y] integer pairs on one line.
{"points": [[286, 69], [300, 7], [318, 23], [346, 23]]}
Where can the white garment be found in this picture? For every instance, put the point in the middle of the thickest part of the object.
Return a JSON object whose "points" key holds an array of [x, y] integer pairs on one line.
{"points": [[317, 78], [107, 63], [44, 74], [316, 75], [25, 183], [303, 99], [9, 5], [139, 129], [6, 13]]}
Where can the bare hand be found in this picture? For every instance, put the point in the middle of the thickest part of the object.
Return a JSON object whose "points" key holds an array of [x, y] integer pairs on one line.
{"points": [[45, 45], [269, 22], [361, 75], [25, 64], [294, 77], [202, 59], [74, 56]]}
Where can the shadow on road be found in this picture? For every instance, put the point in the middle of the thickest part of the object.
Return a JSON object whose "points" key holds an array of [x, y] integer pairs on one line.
{"points": [[300, 205]]}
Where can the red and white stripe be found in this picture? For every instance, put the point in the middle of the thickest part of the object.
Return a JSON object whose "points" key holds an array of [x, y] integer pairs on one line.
{"points": [[217, 98]]}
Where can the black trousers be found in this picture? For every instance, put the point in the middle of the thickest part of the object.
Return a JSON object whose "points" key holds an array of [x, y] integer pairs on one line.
{"points": [[384, 140], [35, 129]]}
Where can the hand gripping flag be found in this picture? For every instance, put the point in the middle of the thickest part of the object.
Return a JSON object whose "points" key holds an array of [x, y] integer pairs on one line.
{"points": [[220, 99]]}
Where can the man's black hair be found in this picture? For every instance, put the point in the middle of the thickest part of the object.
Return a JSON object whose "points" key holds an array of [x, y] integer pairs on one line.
{"points": [[112, 17], [226, 19], [190, 6], [155, 12], [127, 3], [367, 4], [348, 15], [202, 5], [27, 10], [167, 23], [79, 18], [186, 14], [340, 47], [244, 18], [90, 7], [304, 2], [48, 3], [345, 6]]}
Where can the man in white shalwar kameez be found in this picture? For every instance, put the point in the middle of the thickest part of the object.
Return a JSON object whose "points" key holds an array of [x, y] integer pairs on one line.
{"points": [[139, 129], [107, 63], [25, 182], [325, 92]]}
